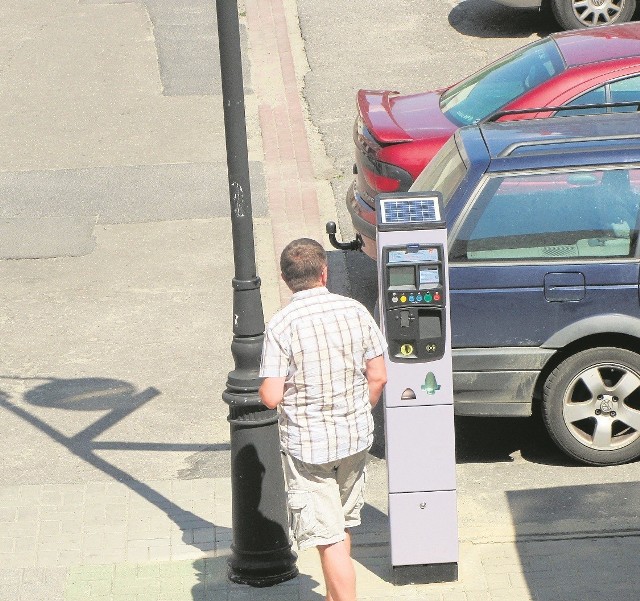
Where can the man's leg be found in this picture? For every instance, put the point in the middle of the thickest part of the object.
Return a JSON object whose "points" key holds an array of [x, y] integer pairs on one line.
{"points": [[350, 477], [338, 570], [347, 534]]}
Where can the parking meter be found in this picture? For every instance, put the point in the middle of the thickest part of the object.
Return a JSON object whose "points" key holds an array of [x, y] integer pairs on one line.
{"points": [[418, 399]]}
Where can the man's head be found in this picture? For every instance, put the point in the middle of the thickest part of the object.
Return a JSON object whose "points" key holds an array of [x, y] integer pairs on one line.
{"points": [[303, 264]]}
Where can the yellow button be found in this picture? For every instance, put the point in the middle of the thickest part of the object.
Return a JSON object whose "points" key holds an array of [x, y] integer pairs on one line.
{"points": [[403, 299], [406, 349]]}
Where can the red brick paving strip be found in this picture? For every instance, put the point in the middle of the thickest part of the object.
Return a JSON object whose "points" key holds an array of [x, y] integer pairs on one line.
{"points": [[291, 191]]}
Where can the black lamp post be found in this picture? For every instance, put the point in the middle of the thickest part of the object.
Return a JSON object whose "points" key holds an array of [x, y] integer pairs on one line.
{"points": [[261, 549]]}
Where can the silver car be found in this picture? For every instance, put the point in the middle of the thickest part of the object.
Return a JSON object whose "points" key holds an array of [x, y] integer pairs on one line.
{"points": [[573, 14]]}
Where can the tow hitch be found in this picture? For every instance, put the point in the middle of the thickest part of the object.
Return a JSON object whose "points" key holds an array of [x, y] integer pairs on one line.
{"points": [[353, 245]]}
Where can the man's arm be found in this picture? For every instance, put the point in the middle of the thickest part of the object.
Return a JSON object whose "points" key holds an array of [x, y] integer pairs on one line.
{"points": [[271, 392], [376, 374]]}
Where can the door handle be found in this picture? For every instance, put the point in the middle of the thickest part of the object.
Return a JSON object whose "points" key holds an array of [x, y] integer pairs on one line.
{"points": [[566, 286]]}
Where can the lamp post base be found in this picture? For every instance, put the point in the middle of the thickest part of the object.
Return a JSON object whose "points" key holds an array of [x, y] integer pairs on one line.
{"points": [[261, 549], [259, 572]]}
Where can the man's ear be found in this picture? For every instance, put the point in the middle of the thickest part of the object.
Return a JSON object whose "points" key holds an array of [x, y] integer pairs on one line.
{"points": [[325, 275]]}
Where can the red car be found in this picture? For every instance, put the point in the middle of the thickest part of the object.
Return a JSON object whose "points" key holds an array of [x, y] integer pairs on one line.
{"points": [[396, 135]]}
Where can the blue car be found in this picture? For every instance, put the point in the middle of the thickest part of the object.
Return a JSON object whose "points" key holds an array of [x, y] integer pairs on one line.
{"points": [[545, 275]]}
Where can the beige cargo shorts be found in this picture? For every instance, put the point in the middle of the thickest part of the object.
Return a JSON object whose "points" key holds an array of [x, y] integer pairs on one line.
{"points": [[324, 499]]}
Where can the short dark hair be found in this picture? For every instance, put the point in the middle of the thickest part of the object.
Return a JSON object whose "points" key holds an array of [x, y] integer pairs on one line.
{"points": [[301, 263]]}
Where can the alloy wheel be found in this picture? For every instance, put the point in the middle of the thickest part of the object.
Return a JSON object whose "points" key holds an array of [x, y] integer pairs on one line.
{"points": [[600, 407], [597, 12]]}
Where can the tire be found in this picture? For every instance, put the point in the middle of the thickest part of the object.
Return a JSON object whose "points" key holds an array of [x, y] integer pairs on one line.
{"points": [[591, 406], [577, 14]]}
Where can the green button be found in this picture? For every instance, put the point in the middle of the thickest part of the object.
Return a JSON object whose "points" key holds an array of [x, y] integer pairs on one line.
{"points": [[428, 298]]}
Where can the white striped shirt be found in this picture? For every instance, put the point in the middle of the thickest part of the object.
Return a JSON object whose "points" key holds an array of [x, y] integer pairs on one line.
{"points": [[320, 344]]}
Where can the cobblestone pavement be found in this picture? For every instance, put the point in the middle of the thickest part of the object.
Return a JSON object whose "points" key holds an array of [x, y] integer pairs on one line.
{"points": [[110, 541]]}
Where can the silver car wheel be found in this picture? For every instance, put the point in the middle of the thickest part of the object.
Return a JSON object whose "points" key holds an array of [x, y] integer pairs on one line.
{"points": [[597, 12], [594, 408]]}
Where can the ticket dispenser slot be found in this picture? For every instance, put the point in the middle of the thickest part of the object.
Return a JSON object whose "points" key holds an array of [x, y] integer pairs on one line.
{"points": [[418, 399]]}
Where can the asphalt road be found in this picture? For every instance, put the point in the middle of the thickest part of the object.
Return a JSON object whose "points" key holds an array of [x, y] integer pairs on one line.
{"points": [[407, 45]]}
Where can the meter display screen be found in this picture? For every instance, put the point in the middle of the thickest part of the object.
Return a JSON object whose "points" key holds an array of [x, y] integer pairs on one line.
{"points": [[422, 255], [429, 275], [402, 277]]}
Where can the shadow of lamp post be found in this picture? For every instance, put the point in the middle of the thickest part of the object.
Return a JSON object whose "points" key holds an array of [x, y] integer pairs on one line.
{"points": [[261, 550]]}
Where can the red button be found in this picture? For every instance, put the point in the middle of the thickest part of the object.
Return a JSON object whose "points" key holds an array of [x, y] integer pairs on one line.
{"points": [[436, 296]]}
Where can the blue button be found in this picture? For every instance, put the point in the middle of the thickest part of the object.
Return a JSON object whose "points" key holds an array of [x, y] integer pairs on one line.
{"points": [[412, 298], [419, 298]]}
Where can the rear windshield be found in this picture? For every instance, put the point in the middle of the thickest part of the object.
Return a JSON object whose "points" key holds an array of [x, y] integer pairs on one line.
{"points": [[498, 84], [444, 173]]}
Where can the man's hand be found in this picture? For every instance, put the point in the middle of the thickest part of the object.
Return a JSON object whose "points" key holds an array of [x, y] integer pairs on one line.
{"points": [[271, 392], [376, 374]]}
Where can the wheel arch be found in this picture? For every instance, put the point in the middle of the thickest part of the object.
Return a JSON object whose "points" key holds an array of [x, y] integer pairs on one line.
{"points": [[610, 324], [574, 344]]}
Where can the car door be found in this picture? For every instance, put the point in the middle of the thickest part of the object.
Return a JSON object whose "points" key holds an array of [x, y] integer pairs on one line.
{"points": [[535, 252]]}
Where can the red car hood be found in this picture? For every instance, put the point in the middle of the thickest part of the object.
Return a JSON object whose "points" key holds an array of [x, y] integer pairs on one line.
{"points": [[393, 118]]}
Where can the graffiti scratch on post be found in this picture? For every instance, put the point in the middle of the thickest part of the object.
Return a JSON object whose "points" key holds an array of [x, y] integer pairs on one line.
{"points": [[237, 199]]}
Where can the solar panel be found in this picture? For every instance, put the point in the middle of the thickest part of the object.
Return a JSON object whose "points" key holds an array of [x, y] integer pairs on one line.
{"points": [[410, 210]]}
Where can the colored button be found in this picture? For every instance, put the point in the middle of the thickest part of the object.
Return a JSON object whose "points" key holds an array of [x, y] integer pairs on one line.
{"points": [[427, 298], [403, 299], [412, 298], [436, 296], [406, 349], [394, 299], [419, 298]]}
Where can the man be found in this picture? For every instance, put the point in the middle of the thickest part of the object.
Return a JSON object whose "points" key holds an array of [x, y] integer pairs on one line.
{"points": [[324, 369]]}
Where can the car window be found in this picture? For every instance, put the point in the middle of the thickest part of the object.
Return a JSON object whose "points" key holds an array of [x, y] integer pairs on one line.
{"points": [[560, 216], [444, 173], [625, 90], [501, 82], [597, 96]]}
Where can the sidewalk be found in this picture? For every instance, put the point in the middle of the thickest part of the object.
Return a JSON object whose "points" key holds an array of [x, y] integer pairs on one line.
{"points": [[114, 445], [169, 541]]}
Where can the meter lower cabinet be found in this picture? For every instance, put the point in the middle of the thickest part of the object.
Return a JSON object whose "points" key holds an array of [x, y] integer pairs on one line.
{"points": [[420, 448], [422, 493], [424, 534]]}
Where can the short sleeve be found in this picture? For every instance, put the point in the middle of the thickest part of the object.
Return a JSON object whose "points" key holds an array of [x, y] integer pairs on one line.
{"points": [[376, 345], [275, 356]]}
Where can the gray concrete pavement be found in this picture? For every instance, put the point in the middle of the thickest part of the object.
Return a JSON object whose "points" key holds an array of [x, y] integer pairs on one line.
{"points": [[114, 445], [112, 113]]}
